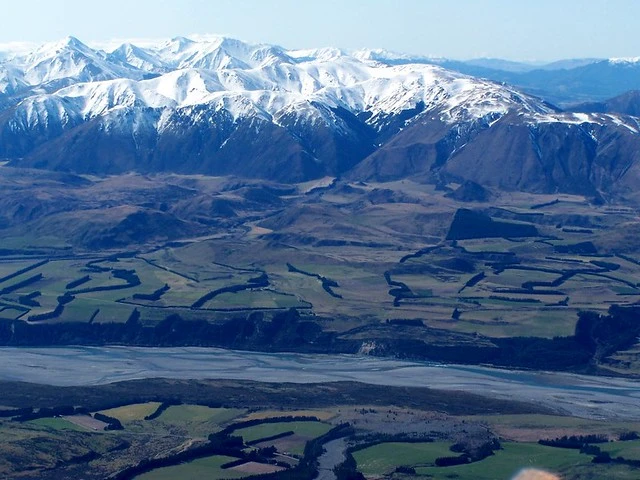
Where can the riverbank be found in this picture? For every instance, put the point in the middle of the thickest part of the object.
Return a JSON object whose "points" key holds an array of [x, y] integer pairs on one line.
{"points": [[577, 395]]}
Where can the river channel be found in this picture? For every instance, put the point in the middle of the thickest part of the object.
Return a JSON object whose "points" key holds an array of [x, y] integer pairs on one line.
{"points": [[579, 395]]}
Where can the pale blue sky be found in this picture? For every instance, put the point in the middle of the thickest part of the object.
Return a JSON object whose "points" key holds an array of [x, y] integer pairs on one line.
{"points": [[462, 29]]}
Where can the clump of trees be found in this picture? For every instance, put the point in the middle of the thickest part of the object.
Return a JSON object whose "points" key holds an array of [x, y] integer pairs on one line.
{"points": [[44, 412], [223, 443], [153, 297], [260, 421], [129, 276], [112, 422], [78, 282], [574, 441], [261, 281], [17, 273], [628, 436], [29, 299], [469, 224], [21, 284], [452, 461], [162, 408], [56, 312], [469, 452]]}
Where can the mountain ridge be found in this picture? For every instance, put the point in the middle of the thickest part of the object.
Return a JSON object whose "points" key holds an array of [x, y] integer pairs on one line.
{"points": [[222, 106]]}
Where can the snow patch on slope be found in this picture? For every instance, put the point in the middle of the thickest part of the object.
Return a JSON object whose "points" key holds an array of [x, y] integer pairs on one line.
{"points": [[265, 81]]}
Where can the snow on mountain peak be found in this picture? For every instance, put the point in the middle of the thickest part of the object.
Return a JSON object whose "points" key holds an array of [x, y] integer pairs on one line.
{"points": [[257, 79], [326, 54], [129, 54], [177, 44], [9, 50], [69, 59], [72, 42], [10, 80], [67, 44], [624, 60], [170, 51]]}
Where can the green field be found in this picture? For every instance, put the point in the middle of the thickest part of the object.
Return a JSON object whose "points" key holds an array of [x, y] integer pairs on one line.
{"points": [[204, 468], [39, 444], [509, 461], [186, 286], [133, 412], [629, 450], [199, 414], [385, 457], [369, 239], [540, 424], [307, 430], [494, 306], [262, 414], [56, 424], [266, 299], [507, 301]]}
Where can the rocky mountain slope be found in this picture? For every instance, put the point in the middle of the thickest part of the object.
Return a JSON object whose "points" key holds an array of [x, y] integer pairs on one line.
{"points": [[223, 107], [628, 104]]}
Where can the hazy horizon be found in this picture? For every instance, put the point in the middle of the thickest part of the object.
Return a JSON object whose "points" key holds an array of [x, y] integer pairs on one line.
{"points": [[542, 32]]}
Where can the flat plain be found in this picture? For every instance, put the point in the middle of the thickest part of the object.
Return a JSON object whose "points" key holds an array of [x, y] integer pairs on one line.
{"points": [[385, 441], [395, 269], [343, 255]]}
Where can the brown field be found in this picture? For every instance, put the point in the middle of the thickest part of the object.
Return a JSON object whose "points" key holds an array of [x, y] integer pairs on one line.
{"points": [[254, 468], [86, 421], [321, 414]]}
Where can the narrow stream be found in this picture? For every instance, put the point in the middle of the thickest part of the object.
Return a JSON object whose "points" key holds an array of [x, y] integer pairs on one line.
{"points": [[333, 456]]}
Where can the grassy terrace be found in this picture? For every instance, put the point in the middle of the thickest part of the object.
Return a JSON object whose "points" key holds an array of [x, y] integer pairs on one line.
{"points": [[209, 468], [530, 286], [303, 429], [384, 458], [183, 414], [436, 288], [133, 412], [58, 445], [629, 450], [507, 462], [290, 444]]}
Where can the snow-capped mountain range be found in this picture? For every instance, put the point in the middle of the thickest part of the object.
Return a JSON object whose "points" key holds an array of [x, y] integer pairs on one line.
{"points": [[244, 79], [222, 106]]}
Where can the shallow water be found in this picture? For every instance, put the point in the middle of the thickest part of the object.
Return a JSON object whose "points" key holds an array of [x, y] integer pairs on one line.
{"points": [[594, 397]]}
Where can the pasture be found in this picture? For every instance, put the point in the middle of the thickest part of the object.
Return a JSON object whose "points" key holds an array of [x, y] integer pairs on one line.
{"points": [[209, 468]]}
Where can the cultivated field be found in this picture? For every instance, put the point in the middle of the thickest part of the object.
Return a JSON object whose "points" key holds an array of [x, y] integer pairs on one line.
{"points": [[209, 468], [385, 457], [347, 257], [183, 438]]}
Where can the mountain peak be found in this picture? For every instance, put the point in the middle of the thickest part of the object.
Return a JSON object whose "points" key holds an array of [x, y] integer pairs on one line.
{"points": [[324, 54], [625, 60], [65, 45], [222, 106], [177, 44], [72, 41], [68, 42]]}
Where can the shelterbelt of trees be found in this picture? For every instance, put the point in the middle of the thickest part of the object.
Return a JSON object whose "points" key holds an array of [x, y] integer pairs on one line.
{"points": [[596, 337]]}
